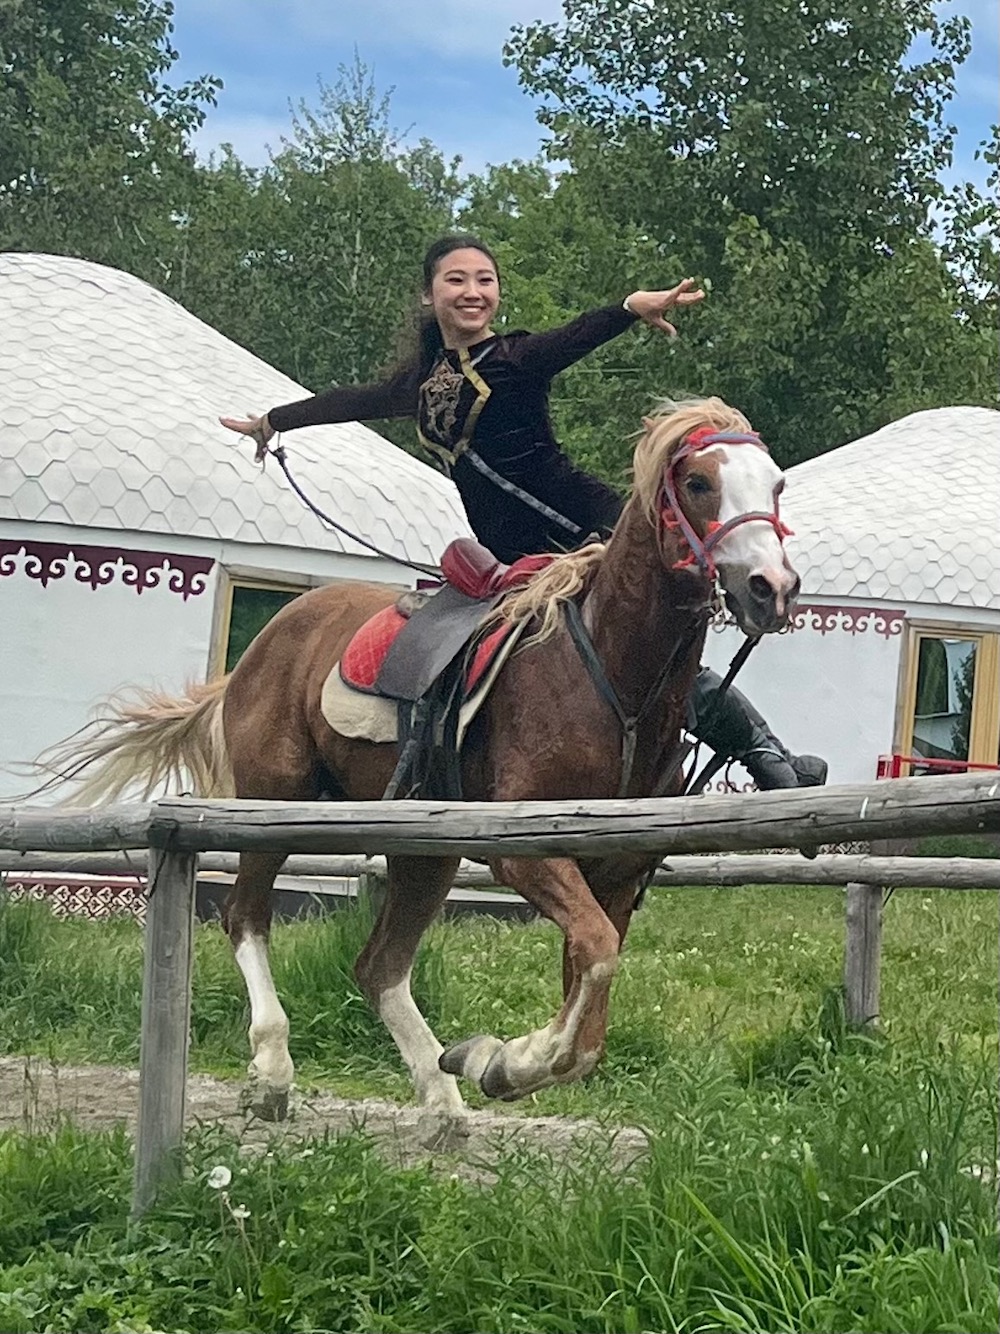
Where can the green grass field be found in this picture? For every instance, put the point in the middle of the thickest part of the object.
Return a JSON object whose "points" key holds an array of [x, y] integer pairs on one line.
{"points": [[799, 1179]]}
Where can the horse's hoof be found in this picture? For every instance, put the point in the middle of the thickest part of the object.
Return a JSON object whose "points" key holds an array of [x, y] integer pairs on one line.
{"points": [[469, 1058], [443, 1133], [265, 1102], [495, 1082]]}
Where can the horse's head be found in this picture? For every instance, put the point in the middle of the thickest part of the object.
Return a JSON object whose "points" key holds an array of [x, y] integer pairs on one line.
{"points": [[711, 489]]}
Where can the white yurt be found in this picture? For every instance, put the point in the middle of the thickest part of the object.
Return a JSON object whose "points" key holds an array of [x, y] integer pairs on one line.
{"points": [[895, 648], [139, 543]]}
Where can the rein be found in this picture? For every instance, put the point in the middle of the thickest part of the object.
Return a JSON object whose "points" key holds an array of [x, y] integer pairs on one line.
{"points": [[629, 723], [278, 453]]}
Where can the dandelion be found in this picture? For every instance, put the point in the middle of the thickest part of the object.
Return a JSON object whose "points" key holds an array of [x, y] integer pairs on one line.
{"points": [[240, 1211], [924, 1155], [219, 1177], [865, 1149]]}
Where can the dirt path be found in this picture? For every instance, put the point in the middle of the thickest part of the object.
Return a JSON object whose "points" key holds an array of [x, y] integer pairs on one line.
{"points": [[33, 1092]]}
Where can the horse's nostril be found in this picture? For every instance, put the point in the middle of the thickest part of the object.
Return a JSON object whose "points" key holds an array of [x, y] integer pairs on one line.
{"points": [[760, 589]]}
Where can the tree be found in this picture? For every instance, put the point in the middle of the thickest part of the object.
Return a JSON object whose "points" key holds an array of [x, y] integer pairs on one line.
{"points": [[313, 261], [791, 155], [93, 143]]}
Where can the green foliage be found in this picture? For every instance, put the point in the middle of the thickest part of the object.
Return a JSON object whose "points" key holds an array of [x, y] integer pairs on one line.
{"points": [[791, 157], [850, 1205], [93, 156]]}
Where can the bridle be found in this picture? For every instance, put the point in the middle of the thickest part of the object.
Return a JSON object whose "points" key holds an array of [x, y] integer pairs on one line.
{"points": [[674, 520]]}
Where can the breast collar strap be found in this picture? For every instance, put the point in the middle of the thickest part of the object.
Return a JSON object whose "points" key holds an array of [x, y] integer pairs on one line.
{"points": [[629, 723]]}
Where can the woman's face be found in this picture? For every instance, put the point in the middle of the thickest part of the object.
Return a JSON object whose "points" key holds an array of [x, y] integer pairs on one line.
{"points": [[464, 293]]}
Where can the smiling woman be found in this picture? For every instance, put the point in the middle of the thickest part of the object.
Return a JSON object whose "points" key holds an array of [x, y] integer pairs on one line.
{"points": [[481, 403]]}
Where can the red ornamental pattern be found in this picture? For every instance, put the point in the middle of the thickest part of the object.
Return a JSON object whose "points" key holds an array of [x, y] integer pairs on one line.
{"points": [[99, 566], [850, 620]]}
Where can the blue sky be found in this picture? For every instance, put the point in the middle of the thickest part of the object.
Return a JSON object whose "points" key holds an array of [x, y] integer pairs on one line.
{"points": [[442, 58]]}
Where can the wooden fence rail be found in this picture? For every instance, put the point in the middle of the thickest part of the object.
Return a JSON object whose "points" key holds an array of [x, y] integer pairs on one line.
{"points": [[176, 830], [956, 804], [838, 868]]}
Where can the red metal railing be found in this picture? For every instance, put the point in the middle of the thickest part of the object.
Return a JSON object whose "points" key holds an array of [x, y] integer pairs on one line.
{"points": [[901, 766]]}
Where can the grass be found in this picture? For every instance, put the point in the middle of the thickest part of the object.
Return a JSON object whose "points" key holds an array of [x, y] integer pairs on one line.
{"points": [[800, 1177]]}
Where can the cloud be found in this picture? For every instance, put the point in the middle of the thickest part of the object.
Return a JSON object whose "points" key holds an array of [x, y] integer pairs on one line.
{"points": [[250, 135], [442, 58], [449, 28]]}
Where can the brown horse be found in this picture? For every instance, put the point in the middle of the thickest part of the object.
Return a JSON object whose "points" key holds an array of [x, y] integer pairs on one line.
{"points": [[701, 506]]}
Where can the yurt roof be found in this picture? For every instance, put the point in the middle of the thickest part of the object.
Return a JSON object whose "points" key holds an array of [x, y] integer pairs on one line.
{"points": [[109, 398], [908, 514]]}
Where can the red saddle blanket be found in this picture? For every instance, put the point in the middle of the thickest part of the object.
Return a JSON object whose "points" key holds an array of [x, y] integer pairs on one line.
{"points": [[365, 654]]}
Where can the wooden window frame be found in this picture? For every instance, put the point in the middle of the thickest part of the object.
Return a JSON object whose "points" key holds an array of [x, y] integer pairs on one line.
{"points": [[232, 577], [984, 725]]}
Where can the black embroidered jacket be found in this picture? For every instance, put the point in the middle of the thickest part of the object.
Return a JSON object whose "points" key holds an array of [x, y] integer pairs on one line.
{"points": [[486, 409]]}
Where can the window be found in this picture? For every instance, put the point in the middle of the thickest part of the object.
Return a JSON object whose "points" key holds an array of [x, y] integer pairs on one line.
{"points": [[951, 696], [250, 610], [244, 607]]}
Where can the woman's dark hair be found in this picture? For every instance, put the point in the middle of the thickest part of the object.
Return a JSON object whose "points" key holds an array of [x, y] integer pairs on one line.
{"points": [[429, 340]]}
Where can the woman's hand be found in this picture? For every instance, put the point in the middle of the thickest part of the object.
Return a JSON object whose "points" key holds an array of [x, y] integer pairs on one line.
{"points": [[650, 306], [259, 429]]}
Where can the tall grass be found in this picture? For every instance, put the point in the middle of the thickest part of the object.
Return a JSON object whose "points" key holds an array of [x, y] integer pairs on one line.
{"points": [[799, 1177], [815, 1212]]}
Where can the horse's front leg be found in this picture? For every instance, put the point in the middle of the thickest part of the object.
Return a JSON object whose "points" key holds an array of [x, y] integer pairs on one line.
{"points": [[571, 1044], [246, 918]]}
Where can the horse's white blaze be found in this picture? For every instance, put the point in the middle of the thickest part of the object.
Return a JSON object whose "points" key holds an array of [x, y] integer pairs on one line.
{"points": [[268, 1021], [748, 477], [529, 1061], [419, 1048]]}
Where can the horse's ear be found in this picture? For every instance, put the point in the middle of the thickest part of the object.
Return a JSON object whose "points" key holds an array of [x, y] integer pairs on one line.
{"points": [[649, 423]]}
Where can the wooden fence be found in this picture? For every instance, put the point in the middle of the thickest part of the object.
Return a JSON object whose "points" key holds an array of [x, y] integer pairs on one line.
{"points": [[175, 831]]}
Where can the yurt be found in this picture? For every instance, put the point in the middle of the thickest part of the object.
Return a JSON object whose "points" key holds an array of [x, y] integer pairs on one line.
{"points": [[892, 664], [139, 543]]}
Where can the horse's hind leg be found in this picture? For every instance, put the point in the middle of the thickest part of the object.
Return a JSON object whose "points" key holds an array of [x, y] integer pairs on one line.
{"points": [[417, 887], [247, 921]]}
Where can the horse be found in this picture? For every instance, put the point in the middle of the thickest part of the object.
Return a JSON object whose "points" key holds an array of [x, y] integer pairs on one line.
{"points": [[702, 519]]}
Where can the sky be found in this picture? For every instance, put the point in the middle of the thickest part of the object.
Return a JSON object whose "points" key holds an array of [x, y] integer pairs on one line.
{"points": [[441, 60]]}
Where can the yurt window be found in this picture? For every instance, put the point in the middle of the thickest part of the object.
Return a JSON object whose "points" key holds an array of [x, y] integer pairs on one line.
{"points": [[246, 607], [951, 710]]}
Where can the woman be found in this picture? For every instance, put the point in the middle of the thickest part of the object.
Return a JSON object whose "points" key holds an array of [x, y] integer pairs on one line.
{"points": [[481, 403]]}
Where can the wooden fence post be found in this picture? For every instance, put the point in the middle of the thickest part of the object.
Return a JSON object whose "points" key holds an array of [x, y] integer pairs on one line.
{"points": [[166, 1014], [863, 955]]}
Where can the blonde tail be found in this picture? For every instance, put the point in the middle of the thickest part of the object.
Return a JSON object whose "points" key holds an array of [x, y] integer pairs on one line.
{"points": [[151, 742]]}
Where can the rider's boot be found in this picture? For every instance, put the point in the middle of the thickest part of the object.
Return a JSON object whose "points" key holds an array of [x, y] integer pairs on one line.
{"points": [[731, 726]]}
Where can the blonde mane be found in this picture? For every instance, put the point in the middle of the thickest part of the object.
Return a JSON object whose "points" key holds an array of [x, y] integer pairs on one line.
{"points": [[568, 575], [665, 430]]}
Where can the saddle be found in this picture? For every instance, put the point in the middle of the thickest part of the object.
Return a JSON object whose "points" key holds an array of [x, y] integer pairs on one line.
{"points": [[401, 651], [429, 653]]}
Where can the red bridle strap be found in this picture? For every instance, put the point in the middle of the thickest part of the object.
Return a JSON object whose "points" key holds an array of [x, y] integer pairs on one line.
{"points": [[673, 517]]}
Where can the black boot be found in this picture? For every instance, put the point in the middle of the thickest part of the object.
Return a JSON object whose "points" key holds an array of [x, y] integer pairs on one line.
{"points": [[732, 726]]}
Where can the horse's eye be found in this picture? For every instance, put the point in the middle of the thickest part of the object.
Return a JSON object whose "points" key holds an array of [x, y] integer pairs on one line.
{"points": [[698, 486]]}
